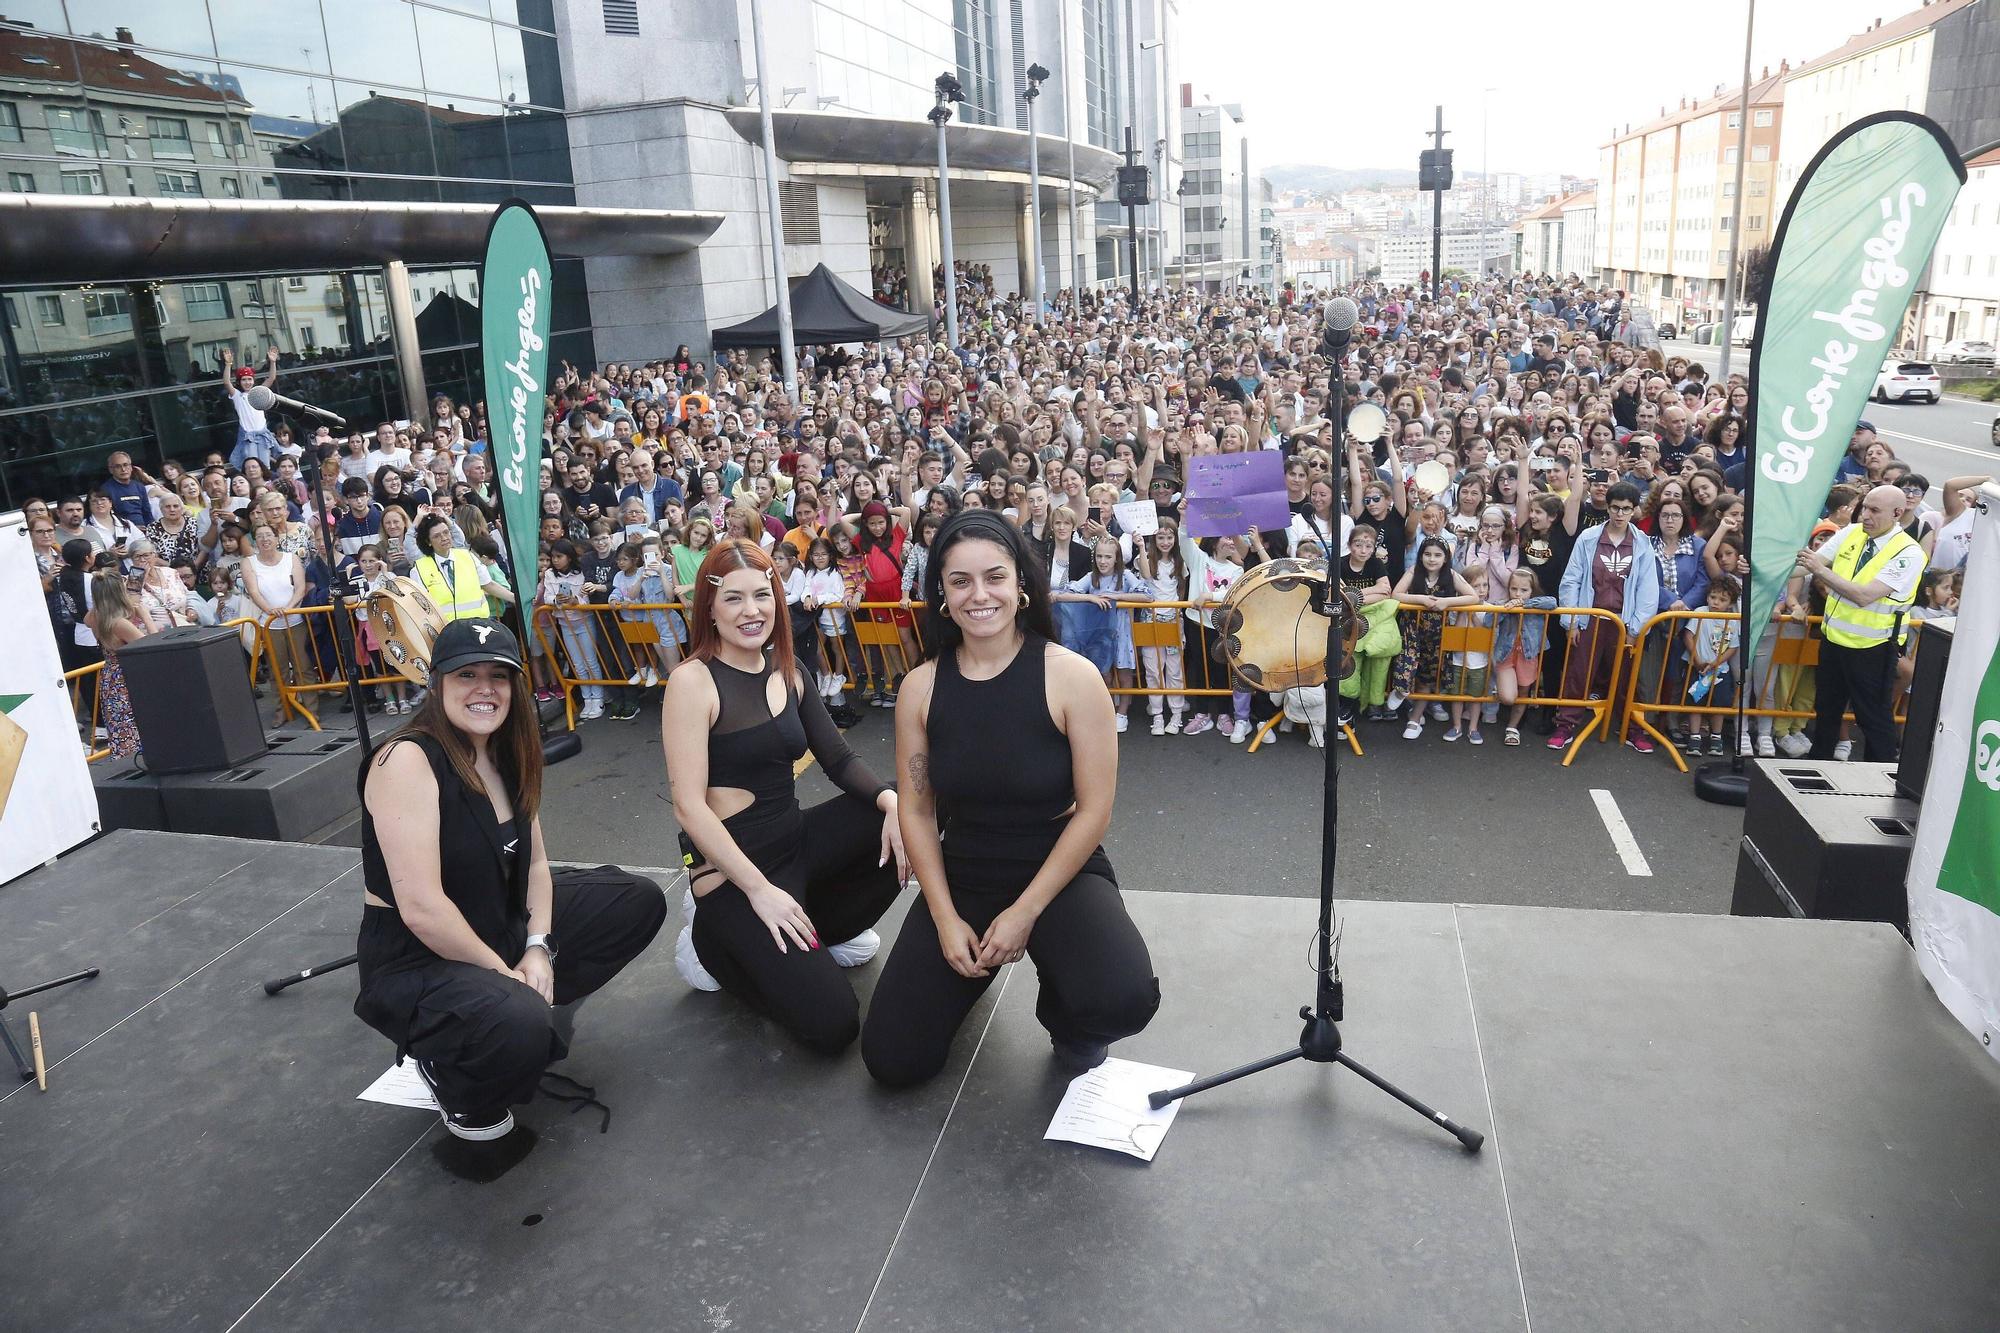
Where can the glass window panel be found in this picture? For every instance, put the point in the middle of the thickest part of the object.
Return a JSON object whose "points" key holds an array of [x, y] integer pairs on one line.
{"points": [[537, 145], [22, 182], [10, 122], [528, 13], [569, 307], [385, 133], [446, 305], [181, 184], [530, 70], [76, 131], [480, 7], [89, 180], [178, 27], [448, 374], [457, 54], [408, 189], [476, 192], [375, 42], [74, 344], [62, 451], [469, 137]]}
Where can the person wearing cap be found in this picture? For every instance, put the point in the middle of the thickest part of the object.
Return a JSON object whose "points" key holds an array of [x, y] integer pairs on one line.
{"points": [[470, 944], [253, 432]]}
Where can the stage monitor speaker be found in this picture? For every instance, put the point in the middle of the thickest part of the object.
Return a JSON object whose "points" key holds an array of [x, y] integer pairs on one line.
{"points": [[191, 700], [1926, 694], [1825, 840], [1134, 187], [299, 788]]}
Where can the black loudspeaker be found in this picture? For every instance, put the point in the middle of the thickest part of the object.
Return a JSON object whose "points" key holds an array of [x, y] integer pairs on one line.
{"points": [[1824, 840], [1434, 169], [191, 700], [127, 797], [1134, 186], [300, 787], [1920, 723]]}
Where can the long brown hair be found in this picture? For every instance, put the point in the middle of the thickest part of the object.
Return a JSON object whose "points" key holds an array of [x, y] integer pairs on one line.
{"points": [[517, 750], [726, 557]]}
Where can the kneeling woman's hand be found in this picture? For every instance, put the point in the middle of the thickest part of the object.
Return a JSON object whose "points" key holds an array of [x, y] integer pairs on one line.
{"points": [[960, 943], [1007, 938], [782, 916]]}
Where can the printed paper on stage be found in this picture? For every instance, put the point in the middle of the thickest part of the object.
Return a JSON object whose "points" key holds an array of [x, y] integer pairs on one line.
{"points": [[401, 1085], [1106, 1108]]}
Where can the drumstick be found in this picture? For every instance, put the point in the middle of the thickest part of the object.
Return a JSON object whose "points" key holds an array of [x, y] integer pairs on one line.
{"points": [[35, 1041]]}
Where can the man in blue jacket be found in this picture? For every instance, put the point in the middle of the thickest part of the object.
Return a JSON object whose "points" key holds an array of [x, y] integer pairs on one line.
{"points": [[1612, 567]]}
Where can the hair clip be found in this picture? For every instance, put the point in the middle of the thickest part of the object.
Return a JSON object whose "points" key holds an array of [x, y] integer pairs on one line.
{"points": [[715, 580]]}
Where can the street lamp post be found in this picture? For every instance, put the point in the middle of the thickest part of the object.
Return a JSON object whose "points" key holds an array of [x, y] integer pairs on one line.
{"points": [[788, 356], [1486, 179], [1036, 74], [948, 91], [1729, 288]]}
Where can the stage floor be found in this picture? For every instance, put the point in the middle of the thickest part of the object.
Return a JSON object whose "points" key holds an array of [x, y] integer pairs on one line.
{"points": [[1693, 1123]]}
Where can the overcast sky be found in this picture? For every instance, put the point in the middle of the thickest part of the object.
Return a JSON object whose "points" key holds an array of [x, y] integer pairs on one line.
{"points": [[1563, 76]]}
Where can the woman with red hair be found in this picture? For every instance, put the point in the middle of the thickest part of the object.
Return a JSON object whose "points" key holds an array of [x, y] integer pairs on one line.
{"points": [[773, 890]]}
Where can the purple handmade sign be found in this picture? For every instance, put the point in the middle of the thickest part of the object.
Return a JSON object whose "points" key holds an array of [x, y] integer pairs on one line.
{"points": [[1229, 494]]}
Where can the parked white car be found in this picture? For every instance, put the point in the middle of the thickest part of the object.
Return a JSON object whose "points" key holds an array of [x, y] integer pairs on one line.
{"points": [[1966, 352], [1901, 381], [1744, 331]]}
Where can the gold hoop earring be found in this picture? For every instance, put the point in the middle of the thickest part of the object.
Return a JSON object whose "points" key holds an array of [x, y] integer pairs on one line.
{"points": [[1024, 601]]}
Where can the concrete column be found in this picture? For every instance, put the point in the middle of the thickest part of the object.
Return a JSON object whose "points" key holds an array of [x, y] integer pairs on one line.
{"points": [[403, 329], [1024, 244], [919, 227]]}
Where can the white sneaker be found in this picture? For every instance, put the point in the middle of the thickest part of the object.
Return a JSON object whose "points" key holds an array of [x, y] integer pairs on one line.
{"points": [[1743, 746], [1124, 723], [652, 677], [636, 678], [686, 961], [1396, 700], [1174, 724], [1285, 726], [1794, 745], [1159, 725], [1414, 729], [1766, 748], [1316, 736], [856, 951], [1842, 750], [1438, 713], [1240, 732], [591, 711]]}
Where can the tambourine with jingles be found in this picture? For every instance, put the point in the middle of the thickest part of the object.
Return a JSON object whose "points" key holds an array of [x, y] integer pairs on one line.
{"points": [[1272, 637], [406, 623]]}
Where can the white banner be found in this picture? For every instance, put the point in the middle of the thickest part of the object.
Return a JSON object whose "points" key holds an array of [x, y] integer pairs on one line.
{"points": [[47, 804], [1954, 881]]}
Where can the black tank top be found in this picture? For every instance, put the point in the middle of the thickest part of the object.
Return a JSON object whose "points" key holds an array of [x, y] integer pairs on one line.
{"points": [[999, 764], [754, 750]]}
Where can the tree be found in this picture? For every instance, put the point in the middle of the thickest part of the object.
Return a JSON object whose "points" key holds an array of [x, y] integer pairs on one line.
{"points": [[1754, 276]]}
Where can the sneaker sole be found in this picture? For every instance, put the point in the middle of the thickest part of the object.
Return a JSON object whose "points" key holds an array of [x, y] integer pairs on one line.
{"points": [[482, 1133]]}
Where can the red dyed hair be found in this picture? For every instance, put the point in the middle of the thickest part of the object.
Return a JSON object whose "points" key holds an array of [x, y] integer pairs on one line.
{"points": [[726, 557]]}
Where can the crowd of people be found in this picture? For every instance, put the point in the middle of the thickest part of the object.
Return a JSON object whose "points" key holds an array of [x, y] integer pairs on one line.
{"points": [[1540, 476]]}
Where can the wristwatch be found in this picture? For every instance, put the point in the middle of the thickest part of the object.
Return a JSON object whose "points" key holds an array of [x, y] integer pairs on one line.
{"points": [[546, 943]]}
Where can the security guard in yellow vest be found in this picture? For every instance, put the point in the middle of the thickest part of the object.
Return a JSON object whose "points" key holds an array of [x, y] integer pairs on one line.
{"points": [[453, 578], [1870, 570]]}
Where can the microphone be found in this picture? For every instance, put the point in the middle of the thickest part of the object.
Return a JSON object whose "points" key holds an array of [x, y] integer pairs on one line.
{"points": [[1341, 314], [264, 400]]}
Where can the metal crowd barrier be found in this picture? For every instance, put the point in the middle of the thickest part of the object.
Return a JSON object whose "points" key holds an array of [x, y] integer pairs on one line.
{"points": [[1659, 678], [304, 658]]}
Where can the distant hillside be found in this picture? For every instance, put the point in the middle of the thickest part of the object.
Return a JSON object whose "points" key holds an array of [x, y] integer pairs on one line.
{"points": [[1306, 176]]}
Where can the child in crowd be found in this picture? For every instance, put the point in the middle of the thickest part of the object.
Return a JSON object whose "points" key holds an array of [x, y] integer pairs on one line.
{"points": [[1159, 567], [1213, 567], [1518, 641], [825, 595], [805, 633], [1711, 649], [1433, 587], [375, 576], [1097, 624], [638, 581], [563, 587], [1364, 573]]}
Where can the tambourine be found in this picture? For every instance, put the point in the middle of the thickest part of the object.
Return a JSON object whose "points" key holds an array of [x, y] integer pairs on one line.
{"points": [[406, 623], [1272, 637]]}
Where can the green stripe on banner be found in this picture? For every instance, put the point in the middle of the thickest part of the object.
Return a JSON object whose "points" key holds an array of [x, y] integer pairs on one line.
{"points": [[1855, 239], [515, 286]]}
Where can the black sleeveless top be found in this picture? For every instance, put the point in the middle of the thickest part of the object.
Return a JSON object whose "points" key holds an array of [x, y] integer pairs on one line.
{"points": [[1000, 766], [754, 750], [487, 883]]}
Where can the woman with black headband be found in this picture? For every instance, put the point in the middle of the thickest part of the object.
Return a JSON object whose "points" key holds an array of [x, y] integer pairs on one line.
{"points": [[1009, 762], [468, 941]]}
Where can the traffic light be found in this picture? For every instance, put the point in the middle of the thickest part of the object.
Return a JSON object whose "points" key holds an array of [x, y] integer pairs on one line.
{"points": [[1434, 169]]}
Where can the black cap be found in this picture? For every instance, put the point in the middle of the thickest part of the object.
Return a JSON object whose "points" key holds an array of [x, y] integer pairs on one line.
{"points": [[466, 642]]}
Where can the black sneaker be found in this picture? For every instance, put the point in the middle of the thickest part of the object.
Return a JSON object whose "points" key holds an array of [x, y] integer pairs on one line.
{"points": [[1347, 713], [474, 1126], [1078, 1057]]}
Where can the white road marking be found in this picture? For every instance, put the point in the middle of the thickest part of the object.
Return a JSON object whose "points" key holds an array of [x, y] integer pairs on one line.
{"points": [[1621, 833], [1937, 444]]}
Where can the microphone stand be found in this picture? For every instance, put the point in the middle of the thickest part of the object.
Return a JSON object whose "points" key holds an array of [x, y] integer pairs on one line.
{"points": [[1320, 1040]]}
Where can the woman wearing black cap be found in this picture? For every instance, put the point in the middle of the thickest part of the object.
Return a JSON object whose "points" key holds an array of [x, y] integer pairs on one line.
{"points": [[467, 938], [1012, 737]]}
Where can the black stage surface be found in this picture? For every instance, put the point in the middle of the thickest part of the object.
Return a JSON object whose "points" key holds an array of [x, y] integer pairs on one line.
{"points": [[1694, 1122]]}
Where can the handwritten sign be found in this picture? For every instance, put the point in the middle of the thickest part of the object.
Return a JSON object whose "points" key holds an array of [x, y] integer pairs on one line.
{"points": [[1138, 518], [1228, 494]]}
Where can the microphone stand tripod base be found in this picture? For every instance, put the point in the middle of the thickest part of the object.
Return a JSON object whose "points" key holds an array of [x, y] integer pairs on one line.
{"points": [[1723, 784]]}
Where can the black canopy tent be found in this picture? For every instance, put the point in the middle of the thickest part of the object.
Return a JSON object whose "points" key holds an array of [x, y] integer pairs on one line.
{"points": [[825, 310]]}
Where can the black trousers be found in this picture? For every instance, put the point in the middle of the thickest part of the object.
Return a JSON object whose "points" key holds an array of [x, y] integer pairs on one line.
{"points": [[1862, 679], [487, 1038], [1097, 982], [828, 859], [1203, 672]]}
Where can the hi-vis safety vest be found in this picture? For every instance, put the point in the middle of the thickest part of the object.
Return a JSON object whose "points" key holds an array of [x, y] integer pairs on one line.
{"points": [[1853, 626], [463, 595]]}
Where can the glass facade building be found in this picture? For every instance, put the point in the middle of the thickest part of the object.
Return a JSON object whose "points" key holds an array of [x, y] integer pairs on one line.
{"points": [[445, 101]]}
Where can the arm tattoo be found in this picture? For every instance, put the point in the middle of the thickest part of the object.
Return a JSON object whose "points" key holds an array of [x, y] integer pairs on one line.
{"points": [[920, 774]]}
